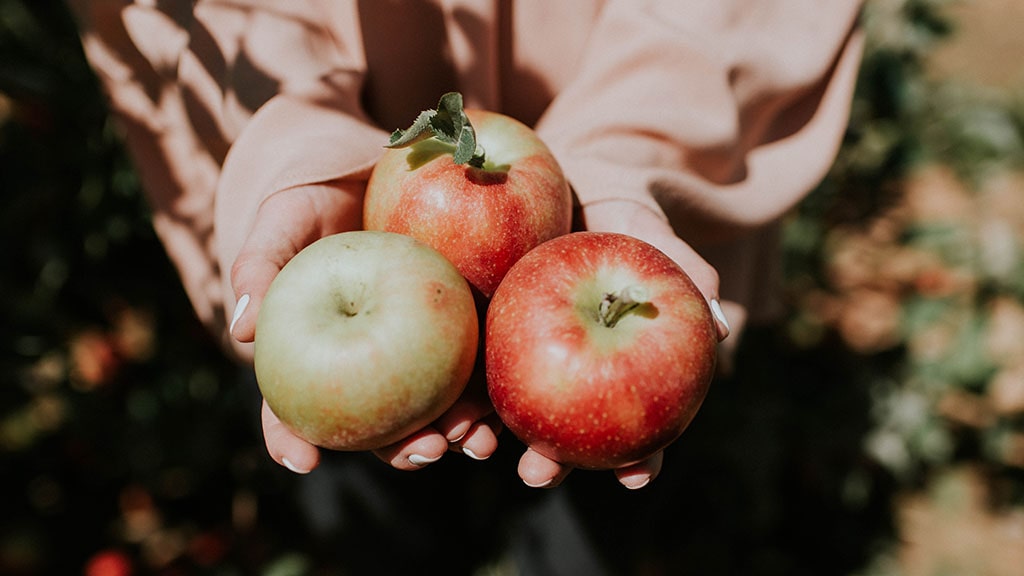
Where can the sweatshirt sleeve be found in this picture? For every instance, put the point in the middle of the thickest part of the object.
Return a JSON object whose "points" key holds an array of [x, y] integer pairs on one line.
{"points": [[289, 142], [311, 130], [720, 114], [223, 103]]}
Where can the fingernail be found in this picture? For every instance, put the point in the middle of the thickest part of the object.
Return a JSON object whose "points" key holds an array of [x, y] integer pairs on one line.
{"points": [[288, 464], [543, 484], [645, 482], [240, 307], [458, 433], [420, 460], [716, 310], [471, 454]]}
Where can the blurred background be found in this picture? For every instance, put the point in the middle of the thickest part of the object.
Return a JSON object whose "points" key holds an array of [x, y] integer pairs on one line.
{"points": [[877, 430]]}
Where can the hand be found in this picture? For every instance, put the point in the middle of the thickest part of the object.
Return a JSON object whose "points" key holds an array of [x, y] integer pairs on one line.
{"points": [[285, 223], [636, 220]]}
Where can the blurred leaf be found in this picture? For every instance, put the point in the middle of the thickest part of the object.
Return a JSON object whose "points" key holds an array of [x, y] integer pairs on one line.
{"points": [[288, 565]]}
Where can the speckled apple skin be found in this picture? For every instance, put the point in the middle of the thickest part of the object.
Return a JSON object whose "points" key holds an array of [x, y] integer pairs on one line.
{"points": [[582, 393]]}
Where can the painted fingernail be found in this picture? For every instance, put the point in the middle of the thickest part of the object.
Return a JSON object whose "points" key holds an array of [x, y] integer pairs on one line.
{"points": [[240, 307], [458, 433], [288, 464], [543, 484], [420, 460], [716, 310], [636, 486], [471, 454]]}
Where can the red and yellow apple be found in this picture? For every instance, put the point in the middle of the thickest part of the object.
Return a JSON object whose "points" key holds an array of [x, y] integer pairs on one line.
{"points": [[478, 186], [364, 338], [599, 350]]}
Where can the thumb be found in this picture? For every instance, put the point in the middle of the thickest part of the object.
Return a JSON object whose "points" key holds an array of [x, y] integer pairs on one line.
{"points": [[285, 223]]}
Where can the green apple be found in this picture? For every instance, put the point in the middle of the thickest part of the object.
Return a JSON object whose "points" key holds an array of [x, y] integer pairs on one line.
{"points": [[363, 338]]}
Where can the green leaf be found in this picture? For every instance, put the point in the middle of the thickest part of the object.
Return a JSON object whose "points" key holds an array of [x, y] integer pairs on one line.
{"points": [[465, 149], [448, 124], [421, 129], [450, 119]]}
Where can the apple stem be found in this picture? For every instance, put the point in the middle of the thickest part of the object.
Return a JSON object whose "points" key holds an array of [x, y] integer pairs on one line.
{"points": [[449, 124], [615, 305]]}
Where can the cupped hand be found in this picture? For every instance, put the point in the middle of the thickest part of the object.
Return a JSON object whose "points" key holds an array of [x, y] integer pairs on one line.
{"points": [[285, 223], [637, 220], [470, 426]]}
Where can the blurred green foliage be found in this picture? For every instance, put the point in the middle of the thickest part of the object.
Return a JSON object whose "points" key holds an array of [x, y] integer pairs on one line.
{"points": [[113, 400], [911, 253]]}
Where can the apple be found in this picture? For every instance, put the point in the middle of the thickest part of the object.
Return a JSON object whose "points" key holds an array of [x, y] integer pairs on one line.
{"points": [[478, 186], [363, 338], [599, 350], [108, 562]]}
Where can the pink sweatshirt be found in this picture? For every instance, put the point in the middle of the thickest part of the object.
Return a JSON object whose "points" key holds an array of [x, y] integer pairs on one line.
{"points": [[721, 114]]}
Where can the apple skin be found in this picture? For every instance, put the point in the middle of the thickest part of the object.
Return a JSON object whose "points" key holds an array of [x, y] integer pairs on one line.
{"points": [[482, 219], [580, 392], [363, 338]]}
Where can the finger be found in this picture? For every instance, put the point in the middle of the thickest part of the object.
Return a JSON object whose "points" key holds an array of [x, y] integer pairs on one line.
{"points": [[703, 275], [286, 222], [286, 448], [474, 405], [416, 451], [538, 471], [481, 441], [641, 474]]}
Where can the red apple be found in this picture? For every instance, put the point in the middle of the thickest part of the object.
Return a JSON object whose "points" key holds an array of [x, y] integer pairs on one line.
{"points": [[108, 562], [599, 350], [364, 338], [478, 186]]}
